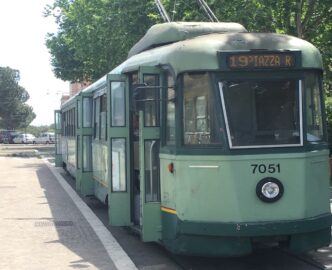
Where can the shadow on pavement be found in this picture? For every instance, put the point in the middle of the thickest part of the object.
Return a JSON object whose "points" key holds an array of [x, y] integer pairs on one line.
{"points": [[73, 230]]}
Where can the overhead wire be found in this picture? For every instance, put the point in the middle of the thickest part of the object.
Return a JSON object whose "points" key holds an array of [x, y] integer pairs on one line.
{"points": [[162, 11], [207, 10]]}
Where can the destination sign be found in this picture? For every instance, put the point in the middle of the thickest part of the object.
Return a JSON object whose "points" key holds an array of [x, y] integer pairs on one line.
{"points": [[261, 60]]}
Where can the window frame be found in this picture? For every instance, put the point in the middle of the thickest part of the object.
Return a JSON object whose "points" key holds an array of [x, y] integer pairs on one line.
{"points": [[214, 94], [111, 122], [300, 110], [318, 80]]}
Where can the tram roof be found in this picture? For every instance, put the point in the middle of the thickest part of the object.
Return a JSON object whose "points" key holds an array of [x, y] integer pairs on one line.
{"points": [[200, 53], [166, 33]]}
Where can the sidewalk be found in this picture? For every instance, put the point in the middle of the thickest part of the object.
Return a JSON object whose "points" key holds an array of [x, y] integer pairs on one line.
{"points": [[41, 227]]}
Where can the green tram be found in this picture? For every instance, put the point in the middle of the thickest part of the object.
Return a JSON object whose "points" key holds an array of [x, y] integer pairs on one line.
{"points": [[207, 139]]}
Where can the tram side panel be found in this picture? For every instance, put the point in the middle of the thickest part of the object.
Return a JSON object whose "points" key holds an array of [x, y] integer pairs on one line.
{"points": [[212, 202]]}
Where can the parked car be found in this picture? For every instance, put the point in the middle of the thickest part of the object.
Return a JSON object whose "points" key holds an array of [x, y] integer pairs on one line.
{"points": [[7, 136], [24, 138], [47, 137]]}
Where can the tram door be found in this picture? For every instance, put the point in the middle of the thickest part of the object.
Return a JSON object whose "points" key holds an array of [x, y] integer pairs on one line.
{"points": [[84, 133], [119, 188], [58, 151], [148, 108]]}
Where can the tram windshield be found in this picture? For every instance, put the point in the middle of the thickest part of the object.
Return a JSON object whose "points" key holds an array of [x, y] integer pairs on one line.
{"points": [[262, 113]]}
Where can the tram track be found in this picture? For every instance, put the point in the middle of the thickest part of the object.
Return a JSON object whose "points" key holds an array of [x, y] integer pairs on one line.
{"points": [[306, 259], [267, 259]]}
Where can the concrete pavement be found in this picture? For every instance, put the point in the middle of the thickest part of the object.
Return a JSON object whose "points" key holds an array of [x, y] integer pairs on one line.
{"points": [[41, 227]]}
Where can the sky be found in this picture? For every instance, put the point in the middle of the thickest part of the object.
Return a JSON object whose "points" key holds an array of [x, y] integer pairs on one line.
{"points": [[22, 46]]}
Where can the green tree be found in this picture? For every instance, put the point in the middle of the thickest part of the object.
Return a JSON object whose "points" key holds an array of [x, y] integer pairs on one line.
{"points": [[37, 130], [14, 113], [95, 35]]}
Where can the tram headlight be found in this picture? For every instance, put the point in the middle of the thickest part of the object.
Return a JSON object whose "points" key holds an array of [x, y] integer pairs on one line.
{"points": [[269, 189]]}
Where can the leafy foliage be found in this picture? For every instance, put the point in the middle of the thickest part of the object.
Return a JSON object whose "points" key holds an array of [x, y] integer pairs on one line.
{"points": [[95, 35], [37, 130], [14, 113]]}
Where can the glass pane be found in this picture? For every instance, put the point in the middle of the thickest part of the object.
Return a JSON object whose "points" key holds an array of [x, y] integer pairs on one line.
{"points": [[118, 164], [148, 101], [152, 180], [74, 122], [63, 126], [79, 119], [87, 112], [314, 109], [200, 122], [97, 118], [78, 152], [58, 143], [118, 104], [58, 120], [87, 153], [69, 123], [170, 125], [262, 113], [103, 117]]}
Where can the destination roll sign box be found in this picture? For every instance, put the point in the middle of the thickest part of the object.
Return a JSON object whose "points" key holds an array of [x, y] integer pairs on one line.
{"points": [[260, 60]]}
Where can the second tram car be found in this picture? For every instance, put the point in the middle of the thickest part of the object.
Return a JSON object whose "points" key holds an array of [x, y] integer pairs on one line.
{"points": [[207, 139]]}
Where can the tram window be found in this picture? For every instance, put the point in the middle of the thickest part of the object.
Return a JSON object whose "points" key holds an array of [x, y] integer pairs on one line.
{"points": [[58, 120], [69, 123], [63, 124], [87, 153], [87, 112], [314, 109], [119, 164], [148, 101], [262, 112], [74, 122], [66, 123], [97, 118], [152, 182], [78, 152], [200, 123], [58, 143], [134, 78], [103, 120], [170, 124], [79, 119], [118, 104]]}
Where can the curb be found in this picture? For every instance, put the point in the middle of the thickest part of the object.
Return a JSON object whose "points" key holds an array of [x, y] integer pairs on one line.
{"points": [[26, 154]]}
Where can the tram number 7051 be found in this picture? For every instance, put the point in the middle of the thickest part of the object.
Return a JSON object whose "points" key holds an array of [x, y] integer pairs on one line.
{"points": [[264, 168]]}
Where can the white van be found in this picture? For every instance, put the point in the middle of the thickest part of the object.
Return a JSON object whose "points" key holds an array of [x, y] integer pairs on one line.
{"points": [[45, 138]]}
